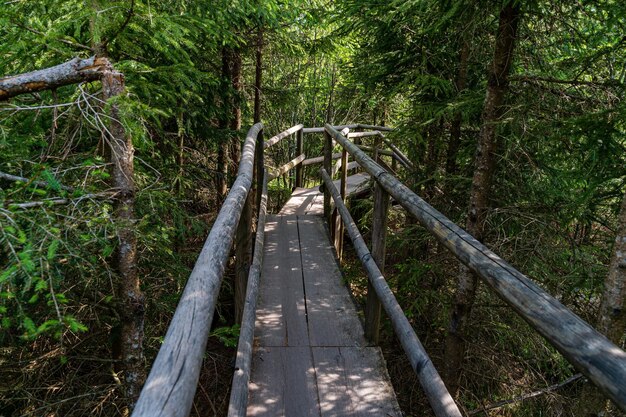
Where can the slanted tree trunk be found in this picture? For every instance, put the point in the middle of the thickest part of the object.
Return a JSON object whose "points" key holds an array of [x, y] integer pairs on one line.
{"points": [[497, 86], [130, 296], [611, 318]]}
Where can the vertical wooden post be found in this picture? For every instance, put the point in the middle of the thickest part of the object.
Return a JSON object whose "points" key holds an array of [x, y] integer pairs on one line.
{"points": [[379, 239], [328, 163], [259, 157], [339, 226], [299, 151]]}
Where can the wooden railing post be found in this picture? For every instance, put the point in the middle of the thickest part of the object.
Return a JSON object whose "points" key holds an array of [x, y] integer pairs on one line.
{"points": [[328, 162], [379, 240], [299, 151], [259, 167], [337, 222]]}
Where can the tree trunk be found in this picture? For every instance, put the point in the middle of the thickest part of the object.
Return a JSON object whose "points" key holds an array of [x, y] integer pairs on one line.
{"points": [[612, 318], [497, 86], [455, 127], [130, 296], [258, 75], [235, 64]]}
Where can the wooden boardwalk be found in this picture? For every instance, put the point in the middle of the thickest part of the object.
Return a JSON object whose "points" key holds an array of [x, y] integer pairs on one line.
{"points": [[310, 356], [311, 201]]}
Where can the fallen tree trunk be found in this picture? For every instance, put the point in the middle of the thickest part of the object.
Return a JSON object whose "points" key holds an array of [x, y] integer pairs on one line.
{"points": [[71, 72]]}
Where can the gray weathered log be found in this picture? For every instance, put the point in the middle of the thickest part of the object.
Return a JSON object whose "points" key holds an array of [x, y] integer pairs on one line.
{"points": [[363, 134], [371, 127], [402, 158], [352, 126], [170, 387], [374, 149], [434, 388], [282, 135], [584, 347], [319, 159], [71, 72], [241, 378], [277, 172], [321, 129]]}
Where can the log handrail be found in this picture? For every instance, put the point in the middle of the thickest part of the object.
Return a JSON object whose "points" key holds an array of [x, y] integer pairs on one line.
{"points": [[590, 352], [172, 382], [282, 135], [440, 399], [243, 364], [277, 172]]}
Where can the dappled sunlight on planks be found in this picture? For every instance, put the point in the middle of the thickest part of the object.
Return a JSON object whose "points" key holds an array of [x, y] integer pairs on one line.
{"points": [[310, 356]]}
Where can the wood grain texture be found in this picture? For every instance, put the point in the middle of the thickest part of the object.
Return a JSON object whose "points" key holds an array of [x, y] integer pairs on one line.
{"points": [[584, 347], [283, 383], [353, 381], [281, 312], [332, 317]]}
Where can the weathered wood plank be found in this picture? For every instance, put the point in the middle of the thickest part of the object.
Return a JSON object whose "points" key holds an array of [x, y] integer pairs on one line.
{"points": [[353, 381], [440, 399], [311, 201], [584, 347], [241, 377], [283, 383], [281, 312], [171, 385], [331, 312]]}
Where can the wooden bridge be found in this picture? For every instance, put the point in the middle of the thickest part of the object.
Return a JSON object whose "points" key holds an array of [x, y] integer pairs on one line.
{"points": [[302, 349]]}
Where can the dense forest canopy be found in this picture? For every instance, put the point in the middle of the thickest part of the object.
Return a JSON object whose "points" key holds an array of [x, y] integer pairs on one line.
{"points": [[512, 114]]}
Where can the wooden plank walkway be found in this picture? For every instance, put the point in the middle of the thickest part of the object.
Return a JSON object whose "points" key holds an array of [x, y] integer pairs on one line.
{"points": [[311, 201], [310, 356]]}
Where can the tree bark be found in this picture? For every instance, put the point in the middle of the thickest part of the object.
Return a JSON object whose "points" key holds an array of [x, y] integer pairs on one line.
{"points": [[612, 318], [130, 296], [455, 127], [74, 71], [497, 86], [258, 75], [235, 63]]}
